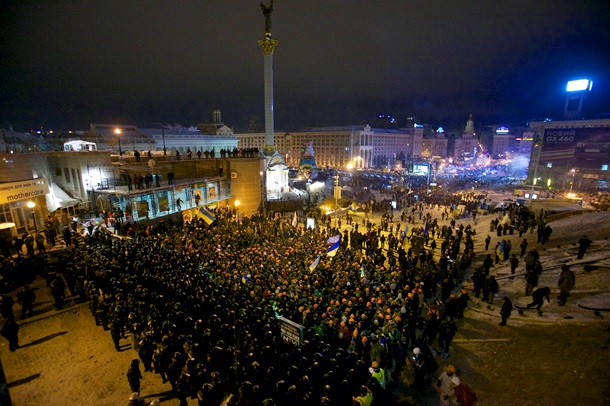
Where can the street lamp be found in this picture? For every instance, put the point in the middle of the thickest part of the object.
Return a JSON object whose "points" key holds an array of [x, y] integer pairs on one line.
{"points": [[117, 131], [31, 206], [337, 193], [573, 178], [237, 210]]}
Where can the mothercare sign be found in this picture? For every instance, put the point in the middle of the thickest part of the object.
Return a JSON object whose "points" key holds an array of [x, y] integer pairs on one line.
{"points": [[24, 190]]}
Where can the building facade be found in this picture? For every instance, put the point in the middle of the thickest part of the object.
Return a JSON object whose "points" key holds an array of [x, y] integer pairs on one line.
{"points": [[84, 184], [571, 155], [342, 147]]}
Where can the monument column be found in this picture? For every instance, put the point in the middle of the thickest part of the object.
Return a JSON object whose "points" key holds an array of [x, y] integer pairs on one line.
{"points": [[268, 44]]}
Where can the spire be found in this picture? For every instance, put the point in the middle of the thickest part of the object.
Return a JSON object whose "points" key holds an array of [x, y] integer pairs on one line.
{"points": [[216, 115], [469, 130]]}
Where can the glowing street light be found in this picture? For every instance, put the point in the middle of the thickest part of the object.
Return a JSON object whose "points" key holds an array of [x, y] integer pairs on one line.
{"points": [[31, 206], [117, 131], [573, 178]]}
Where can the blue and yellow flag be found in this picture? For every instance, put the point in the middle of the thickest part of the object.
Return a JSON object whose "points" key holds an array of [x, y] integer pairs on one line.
{"points": [[314, 264], [335, 243], [206, 215]]}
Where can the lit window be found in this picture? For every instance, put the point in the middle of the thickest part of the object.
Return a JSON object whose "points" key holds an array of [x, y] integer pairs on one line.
{"points": [[605, 167], [549, 165]]}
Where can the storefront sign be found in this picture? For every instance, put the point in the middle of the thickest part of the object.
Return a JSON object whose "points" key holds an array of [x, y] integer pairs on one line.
{"points": [[25, 190]]}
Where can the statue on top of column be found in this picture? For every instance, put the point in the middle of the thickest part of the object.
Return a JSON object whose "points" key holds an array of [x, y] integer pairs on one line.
{"points": [[267, 10]]}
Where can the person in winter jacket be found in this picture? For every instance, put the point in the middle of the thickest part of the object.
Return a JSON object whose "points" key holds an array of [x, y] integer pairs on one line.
{"points": [[566, 283], [506, 310]]}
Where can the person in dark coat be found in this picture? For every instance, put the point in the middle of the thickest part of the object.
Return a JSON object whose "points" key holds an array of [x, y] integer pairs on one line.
{"points": [[523, 246], [531, 279], [506, 310], [538, 298], [6, 306], [462, 303], [566, 283], [26, 298], [67, 236], [115, 333], [490, 289], [58, 291], [10, 331], [583, 244], [514, 263], [446, 333], [134, 376], [478, 278]]}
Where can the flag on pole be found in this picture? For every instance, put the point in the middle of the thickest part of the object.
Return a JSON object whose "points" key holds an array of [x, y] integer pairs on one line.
{"points": [[332, 250], [206, 215], [426, 228], [332, 240], [314, 264], [294, 219]]}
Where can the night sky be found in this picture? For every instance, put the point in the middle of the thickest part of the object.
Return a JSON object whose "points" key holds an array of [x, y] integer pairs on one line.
{"points": [[65, 64]]}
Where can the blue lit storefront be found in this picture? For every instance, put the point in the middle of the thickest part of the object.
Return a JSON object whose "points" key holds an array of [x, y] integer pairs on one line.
{"points": [[155, 202]]}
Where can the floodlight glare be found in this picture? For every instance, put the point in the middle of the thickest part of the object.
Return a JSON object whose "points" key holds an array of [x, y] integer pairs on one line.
{"points": [[579, 85]]}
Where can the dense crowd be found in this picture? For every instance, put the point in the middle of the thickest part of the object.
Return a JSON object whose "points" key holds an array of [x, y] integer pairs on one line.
{"points": [[201, 303]]}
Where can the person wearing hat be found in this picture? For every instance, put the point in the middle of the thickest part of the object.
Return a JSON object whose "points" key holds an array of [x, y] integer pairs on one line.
{"points": [[566, 283], [444, 385], [420, 366], [134, 400], [462, 394], [378, 373]]}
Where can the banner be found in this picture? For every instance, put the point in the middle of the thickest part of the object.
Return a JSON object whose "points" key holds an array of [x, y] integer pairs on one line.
{"points": [[163, 203], [142, 208]]}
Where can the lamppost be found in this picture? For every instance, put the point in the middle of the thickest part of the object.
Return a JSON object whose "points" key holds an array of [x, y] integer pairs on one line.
{"points": [[163, 135], [117, 131], [573, 178], [337, 193], [237, 210], [31, 206]]}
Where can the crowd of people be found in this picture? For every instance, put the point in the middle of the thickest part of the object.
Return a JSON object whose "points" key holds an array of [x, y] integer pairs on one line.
{"points": [[200, 304]]}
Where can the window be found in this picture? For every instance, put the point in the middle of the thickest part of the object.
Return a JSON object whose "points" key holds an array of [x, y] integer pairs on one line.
{"points": [[57, 171], [604, 167], [549, 164], [67, 175], [75, 179]]}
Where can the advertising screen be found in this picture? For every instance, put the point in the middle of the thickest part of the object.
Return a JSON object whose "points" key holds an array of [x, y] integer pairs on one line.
{"points": [[584, 147]]}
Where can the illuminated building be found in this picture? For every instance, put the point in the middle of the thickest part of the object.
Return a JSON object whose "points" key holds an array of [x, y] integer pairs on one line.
{"points": [[343, 146], [562, 146]]}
